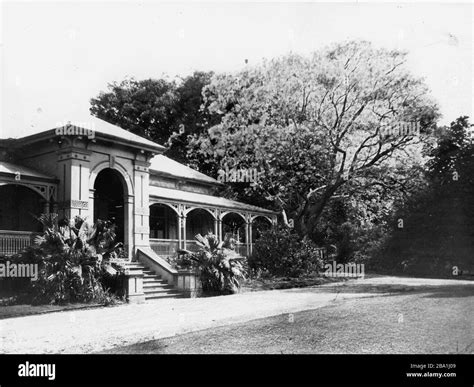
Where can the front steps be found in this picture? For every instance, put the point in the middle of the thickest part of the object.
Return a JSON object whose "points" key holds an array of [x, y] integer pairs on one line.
{"points": [[154, 286]]}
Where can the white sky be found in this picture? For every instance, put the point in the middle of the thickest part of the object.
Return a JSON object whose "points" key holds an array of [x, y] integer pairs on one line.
{"points": [[56, 56]]}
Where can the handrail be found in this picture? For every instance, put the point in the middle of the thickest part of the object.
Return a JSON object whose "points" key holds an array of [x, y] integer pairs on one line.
{"points": [[149, 258]]}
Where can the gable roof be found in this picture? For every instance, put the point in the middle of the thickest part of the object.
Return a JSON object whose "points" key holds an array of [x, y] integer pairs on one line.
{"points": [[101, 129], [165, 166]]}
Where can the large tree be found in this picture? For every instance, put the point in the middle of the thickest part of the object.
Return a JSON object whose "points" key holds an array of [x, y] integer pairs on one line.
{"points": [[146, 107], [190, 115], [438, 222], [162, 110], [316, 127]]}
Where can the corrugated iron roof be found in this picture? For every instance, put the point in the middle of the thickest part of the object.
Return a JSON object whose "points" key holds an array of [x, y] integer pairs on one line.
{"points": [[100, 127], [167, 166], [192, 197], [24, 171]]}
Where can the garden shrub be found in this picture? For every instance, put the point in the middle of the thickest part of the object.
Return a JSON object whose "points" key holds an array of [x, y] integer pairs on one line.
{"points": [[281, 252]]}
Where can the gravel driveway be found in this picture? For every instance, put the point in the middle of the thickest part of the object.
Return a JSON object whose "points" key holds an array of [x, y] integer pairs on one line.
{"points": [[95, 330]]}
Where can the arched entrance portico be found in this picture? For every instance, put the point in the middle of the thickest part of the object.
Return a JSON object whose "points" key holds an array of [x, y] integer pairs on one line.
{"points": [[110, 202]]}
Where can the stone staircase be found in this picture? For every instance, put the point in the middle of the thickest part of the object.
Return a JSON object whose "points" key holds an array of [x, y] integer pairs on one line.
{"points": [[154, 286]]}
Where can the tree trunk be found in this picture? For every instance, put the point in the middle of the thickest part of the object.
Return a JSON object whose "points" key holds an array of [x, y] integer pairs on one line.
{"points": [[312, 211]]}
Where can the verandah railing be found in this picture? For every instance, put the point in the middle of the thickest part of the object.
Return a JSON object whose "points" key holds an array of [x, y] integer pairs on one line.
{"points": [[169, 247], [12, 242], [240, 248]]}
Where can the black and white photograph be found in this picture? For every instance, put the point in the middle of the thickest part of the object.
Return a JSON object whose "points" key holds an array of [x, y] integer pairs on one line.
{"points": [[236, 178]]}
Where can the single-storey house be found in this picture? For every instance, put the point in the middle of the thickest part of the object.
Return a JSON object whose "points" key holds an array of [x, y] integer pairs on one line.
{"points": [[101, 171]]}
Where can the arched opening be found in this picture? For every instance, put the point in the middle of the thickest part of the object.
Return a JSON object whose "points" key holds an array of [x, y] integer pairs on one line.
{"points": [[109, 192], [233, 225], [260, 224], [19, 208], [163, 222], [163, 229], [198, 221]]}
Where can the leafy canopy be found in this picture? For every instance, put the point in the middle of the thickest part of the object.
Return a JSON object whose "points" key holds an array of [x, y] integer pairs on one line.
{"points": [[315, 126], [158, 109]]}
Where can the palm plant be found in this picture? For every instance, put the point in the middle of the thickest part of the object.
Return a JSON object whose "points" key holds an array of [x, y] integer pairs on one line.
{"points": [[70, 237], [220, 268], [73, 257]]}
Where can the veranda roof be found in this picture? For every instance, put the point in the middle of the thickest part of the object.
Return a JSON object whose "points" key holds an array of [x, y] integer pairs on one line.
{"points": [[13, 169], [166, 166], [208, 200]]}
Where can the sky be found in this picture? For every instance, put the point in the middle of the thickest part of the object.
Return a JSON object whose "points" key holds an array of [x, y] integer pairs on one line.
{"points": [[55, 56]]}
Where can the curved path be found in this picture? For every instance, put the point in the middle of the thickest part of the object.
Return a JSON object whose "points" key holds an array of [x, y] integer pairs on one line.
{"points": [[93, 330]]}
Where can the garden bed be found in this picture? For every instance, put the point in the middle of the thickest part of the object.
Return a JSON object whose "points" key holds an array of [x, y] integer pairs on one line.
{"points": [[254, 285]]}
